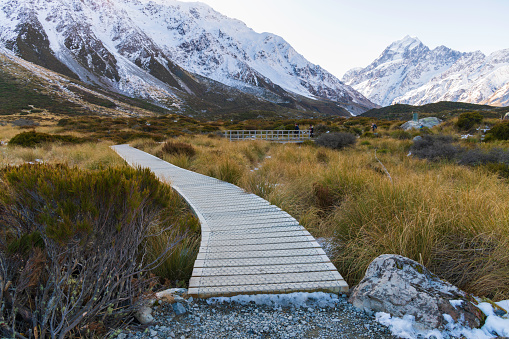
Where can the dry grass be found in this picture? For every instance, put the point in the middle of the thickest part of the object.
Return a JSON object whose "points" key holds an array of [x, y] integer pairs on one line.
{"points": [[87, 155], [451, 218]]}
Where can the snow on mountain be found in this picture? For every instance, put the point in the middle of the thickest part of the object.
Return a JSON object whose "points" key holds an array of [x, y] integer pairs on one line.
{"points": [[408, 72], [152, 49]]}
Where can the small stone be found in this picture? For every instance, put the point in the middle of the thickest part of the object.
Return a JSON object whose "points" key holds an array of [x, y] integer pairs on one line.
{"points": [[153, 333], [122, 336], [179, 309], [500, 312], [144, 315], [178, 299]]}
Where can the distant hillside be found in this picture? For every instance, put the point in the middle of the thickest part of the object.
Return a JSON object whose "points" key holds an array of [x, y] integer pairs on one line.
{"points": [[26, 87], [443, 109]]}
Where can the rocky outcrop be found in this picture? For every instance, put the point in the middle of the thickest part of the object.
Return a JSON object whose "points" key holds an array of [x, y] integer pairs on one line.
{"points": [[400, 286], [426, 122]]}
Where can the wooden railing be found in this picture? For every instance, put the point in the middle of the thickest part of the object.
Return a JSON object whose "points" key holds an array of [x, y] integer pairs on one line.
{"points": [[270, 135]]}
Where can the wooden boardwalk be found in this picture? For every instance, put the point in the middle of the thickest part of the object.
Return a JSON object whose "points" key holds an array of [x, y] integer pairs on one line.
{"points": [[248, 246], [281, 136]]}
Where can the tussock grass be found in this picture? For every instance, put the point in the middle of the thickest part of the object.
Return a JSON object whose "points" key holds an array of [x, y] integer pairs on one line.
{"points": [[86, 155], [451, 218]]}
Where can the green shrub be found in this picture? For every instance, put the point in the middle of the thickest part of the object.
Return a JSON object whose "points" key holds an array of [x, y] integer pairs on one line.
{"points": [[468, 120], [178, 148], [336, 140], [435, 147], [401, 135], [76, 245], [368, 134], [500, 131], [33, 138]]}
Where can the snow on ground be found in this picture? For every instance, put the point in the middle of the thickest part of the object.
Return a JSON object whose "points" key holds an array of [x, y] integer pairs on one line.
{"points": [[495, 326]]}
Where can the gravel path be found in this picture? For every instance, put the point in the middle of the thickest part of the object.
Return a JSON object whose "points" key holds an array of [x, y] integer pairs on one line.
{"points": [[311, 319]]}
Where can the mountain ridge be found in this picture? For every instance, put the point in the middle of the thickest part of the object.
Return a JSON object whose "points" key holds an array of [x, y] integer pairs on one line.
{"points": [[158, 51], [408, 72]]}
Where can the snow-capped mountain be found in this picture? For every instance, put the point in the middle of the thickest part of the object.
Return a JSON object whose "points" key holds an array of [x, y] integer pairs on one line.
{"points": [[162, 49], [408, 72]]}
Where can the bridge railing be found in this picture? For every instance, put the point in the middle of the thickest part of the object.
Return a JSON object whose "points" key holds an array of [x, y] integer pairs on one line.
{"points": [[270, 135]]}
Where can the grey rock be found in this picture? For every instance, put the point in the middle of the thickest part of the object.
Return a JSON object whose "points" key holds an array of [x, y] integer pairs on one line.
{"points": [[399, 286], [122, 336], [178, 299], [426, 122], [179, 309], [144, 315], [500, 312], [417, 138]]}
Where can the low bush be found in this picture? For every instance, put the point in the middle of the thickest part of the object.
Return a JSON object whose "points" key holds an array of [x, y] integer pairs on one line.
{"points": [[336, 140], [33, 138], [401, 135], [475, 157], [74, 246], [178, 148], [368, 134], [435, 147], [468, 120], [500, 131]]}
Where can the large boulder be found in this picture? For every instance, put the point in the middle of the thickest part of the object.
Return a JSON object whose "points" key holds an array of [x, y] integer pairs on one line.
{"points": [[425, 122], [400, 286]]}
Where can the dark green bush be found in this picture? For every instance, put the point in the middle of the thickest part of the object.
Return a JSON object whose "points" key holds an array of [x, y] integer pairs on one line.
{"points": [[336, 140], [322, 129], [468, 120], [178, 148], [368, 134], [435, 147], [481, 157], [74, 245], [500, 131], [401, 135], [33, 138]]}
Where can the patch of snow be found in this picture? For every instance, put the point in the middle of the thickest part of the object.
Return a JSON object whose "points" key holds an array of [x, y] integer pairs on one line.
{"points": [[495, 326], [456, 303]]}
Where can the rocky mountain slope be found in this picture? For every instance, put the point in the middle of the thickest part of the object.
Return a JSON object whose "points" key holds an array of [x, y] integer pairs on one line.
{"points": [[169, 52], [408, 72]]}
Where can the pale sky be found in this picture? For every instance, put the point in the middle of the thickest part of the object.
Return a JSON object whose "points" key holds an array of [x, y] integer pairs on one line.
{"points": [[342, 34]]}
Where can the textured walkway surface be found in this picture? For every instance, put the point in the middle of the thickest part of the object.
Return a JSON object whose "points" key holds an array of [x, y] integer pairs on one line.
{"points": [[248, 246]]}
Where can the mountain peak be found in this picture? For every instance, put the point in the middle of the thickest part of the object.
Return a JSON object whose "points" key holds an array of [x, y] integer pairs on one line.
{"points": [[408, 72], [407, 43]]}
